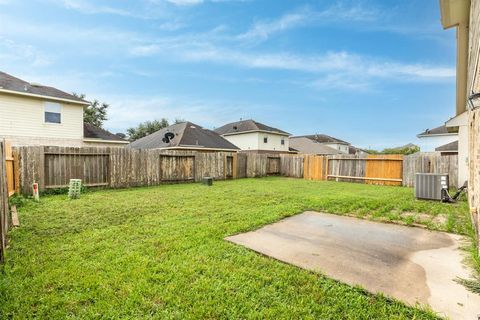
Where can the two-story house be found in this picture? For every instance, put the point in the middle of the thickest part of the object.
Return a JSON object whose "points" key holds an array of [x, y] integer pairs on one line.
{"points": [[33, 114], [250, 135], [338, 145]]}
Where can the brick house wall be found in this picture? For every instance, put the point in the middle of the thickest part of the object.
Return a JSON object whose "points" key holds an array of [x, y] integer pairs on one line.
{"points": [[473, 86]]}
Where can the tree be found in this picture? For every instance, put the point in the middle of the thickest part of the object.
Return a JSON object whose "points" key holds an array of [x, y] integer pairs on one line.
{"points": [[405, 150], [95, 113], [146, 128]]}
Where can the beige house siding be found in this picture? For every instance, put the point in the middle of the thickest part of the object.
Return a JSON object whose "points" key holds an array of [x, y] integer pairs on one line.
{"points": [[473, 86], [254, 141], [22, 122]]}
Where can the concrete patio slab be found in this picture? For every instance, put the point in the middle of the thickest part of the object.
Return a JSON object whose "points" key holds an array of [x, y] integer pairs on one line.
{"points": [[409, 264]]}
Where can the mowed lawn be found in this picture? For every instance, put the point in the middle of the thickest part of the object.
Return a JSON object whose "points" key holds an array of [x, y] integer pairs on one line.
{"points": [[159, 252]]}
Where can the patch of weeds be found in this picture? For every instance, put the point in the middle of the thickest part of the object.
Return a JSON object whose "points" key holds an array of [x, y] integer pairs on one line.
{"points": [[18, 201], [471, 284]]}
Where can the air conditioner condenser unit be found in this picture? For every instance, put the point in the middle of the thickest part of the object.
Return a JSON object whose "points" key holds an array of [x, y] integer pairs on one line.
{"points": [[429, 186]]}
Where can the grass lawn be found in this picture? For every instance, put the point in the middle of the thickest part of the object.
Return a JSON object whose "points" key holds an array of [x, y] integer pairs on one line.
{"points": [[159, 252]]}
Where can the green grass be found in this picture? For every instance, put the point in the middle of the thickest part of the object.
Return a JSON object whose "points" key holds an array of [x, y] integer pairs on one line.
{"points": [[159, 252]]}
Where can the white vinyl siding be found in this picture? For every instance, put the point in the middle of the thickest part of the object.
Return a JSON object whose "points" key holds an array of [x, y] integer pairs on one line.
{"points": [[25, 117]]}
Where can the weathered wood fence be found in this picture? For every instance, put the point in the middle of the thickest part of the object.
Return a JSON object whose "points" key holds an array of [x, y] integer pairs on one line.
{"points": [[53, 167], [430, 163], [4, 210]]}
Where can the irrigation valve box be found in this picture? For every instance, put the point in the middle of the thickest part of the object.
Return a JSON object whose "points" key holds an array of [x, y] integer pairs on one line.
{"points": [[74, 188]]}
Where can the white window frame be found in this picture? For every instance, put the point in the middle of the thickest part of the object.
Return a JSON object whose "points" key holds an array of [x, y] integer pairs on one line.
{"points": [[45, 106]]}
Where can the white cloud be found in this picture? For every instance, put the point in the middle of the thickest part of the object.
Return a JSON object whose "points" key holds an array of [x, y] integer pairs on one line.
{"points": [[13, 53], [332, 62], [93, 8], [156, 107], [338, 13], [185, 2]]}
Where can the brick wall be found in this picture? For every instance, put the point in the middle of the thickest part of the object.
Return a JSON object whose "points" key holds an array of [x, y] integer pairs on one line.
{"points": [[473, 86]]}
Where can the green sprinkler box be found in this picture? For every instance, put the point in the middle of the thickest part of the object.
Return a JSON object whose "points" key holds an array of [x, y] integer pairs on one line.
{"points": [[74, 188]]}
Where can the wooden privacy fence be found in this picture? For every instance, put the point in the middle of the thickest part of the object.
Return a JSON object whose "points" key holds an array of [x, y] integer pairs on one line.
{"points": [[53, 167], [430, 163], [4, 210], [372, 169]]}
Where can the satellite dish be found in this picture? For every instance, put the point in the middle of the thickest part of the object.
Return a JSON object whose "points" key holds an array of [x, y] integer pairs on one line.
{"points": [[168, 136]]}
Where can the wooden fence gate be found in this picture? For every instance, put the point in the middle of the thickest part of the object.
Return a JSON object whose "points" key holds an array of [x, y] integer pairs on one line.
{"points": [[273, 165]]}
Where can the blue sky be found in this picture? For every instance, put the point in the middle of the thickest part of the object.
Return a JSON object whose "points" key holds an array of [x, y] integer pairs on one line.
{"points": [[374, 73]]}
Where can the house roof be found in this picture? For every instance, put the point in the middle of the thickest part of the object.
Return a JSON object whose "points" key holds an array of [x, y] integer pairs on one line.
{"points": [[12, 84], [323, 138], [449, 147], [92, 132], [355, 150], [308, 146], [186, 135], [435, 131], [247, 126]]}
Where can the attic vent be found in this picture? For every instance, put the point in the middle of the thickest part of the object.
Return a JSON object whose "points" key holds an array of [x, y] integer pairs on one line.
{"points": [[235, 127], [193, 127], [35, 84]]}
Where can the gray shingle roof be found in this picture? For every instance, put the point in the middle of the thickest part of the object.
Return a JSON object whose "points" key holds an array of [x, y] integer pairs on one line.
{"points": [[308, 146], [451, 147], [92, 132], [245, 126], [186, 134], [11, 83], [322, 138], [438, 130]]}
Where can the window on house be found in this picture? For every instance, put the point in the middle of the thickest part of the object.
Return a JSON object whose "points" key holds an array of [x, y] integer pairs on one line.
{"points": [[53, 112], [282, 142], [265, 139]]}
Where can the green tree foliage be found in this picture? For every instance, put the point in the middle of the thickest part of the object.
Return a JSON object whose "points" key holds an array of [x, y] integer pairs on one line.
{"points": [[405, 150], [95, 113], [146, 128]]}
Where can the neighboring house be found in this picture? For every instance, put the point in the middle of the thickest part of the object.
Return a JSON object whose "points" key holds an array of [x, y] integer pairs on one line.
{"points": [[356, 151], [448, 149], [328, 141], [97, 137], [308, 146], [250, 135], [459, 124], [436, 137], [184, 136], [33, 114]]}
